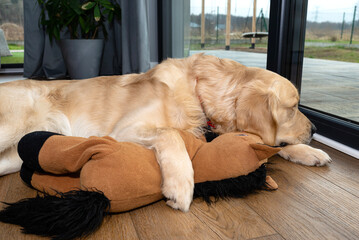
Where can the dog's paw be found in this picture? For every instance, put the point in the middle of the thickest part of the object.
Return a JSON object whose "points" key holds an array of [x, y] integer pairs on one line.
{"points": [[179, 191], [306, 155]]}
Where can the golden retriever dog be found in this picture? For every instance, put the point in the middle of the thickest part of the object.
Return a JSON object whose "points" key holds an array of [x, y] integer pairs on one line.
{"points": [[149, 108]]}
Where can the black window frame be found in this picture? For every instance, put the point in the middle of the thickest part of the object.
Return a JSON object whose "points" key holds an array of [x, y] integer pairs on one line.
{"points": [[12, 65], [287, 25], [11, 69]]}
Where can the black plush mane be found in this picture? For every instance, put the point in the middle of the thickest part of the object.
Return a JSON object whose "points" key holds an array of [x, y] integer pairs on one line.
{"points": [[233, 187]]}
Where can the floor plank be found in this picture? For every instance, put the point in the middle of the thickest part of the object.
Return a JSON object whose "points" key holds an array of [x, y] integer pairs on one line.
{"points": [[119, 226], [16, 189], [343, 171], [232, 219], [161, 222], [4, 187], [271, 237]]}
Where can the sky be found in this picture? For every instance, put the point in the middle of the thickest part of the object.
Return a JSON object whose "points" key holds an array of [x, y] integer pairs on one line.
{"points": [[319, 10]]}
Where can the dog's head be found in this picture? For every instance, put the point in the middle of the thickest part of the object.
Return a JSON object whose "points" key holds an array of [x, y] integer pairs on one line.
{"points": [[269, 107], [237, 98]]}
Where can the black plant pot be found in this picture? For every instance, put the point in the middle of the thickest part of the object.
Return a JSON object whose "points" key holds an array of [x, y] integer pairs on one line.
{"points": [[82, 57]]}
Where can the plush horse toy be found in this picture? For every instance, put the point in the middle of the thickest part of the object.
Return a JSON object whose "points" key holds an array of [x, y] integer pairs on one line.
{"points": [[86, 178]]}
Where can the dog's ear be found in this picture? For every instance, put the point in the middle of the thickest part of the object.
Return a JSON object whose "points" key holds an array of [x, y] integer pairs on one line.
{"points": [[254, 111], [273, 100]]}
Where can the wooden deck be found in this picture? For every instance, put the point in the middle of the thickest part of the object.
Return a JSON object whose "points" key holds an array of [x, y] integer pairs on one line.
{"points": [[311, 203]]}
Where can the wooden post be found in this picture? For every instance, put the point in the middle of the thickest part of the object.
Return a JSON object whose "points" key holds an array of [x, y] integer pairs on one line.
{"points": [[253, 40], [352, 32], [202, 25], [228, 25], [217, 24], [341, 32]]}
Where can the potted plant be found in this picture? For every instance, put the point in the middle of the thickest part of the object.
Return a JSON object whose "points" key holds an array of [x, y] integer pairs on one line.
{"points": [[83, 19]]}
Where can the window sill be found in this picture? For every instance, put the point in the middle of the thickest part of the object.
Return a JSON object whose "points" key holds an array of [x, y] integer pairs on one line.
{"points": [[337, 145]]}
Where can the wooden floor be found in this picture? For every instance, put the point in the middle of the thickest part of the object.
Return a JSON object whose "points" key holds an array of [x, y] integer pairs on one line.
{"points": [[311, 203]]}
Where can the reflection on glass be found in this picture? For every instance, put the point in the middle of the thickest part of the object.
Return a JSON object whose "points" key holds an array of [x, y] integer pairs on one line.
{"points": [[11, 31], [330, 81]]}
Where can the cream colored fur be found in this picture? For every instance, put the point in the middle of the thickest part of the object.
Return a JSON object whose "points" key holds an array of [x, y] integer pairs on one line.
{"points": [[148, 109]]}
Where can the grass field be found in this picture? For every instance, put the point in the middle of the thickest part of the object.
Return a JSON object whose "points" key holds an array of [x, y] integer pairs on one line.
{"points": [[328, 41], [16, 47], [17, 57], [337, 53]]}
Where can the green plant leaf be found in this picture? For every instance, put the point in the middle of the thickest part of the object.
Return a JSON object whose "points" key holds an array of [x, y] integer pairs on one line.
{"points": [[75, 6], [106, 4], [82, 23], [110, 16], [88, 5], [87, 28], [97, 13], [56, 32], [105, 12], [69, 21], [109, 7]]}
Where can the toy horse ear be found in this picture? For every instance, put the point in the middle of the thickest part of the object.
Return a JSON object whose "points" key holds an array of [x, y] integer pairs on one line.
{"points": [[264, 151]]}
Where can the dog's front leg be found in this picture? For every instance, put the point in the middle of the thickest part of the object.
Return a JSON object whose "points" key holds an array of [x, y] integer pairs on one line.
{"points": [[306, 155], [176, 166]]}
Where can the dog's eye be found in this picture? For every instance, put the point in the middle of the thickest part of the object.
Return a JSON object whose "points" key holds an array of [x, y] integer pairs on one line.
{"points": [[241, 134]]}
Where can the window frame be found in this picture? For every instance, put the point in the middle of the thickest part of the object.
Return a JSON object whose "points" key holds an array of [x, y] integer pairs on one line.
{"points": [[15, 68], [12, 65]]}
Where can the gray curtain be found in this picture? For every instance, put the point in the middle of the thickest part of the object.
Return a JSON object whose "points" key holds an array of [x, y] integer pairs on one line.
{"points": [[126, 50]]}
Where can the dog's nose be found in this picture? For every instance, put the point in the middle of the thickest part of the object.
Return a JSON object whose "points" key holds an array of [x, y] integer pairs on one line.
{"points": [[313, 130]]}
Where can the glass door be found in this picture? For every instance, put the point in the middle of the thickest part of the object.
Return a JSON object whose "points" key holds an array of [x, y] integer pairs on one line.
{"points": [[11, 33], [316, 55], [330, 79]]}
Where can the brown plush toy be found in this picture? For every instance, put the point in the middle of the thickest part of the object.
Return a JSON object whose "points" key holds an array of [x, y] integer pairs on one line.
{"points": [[98, 174]]}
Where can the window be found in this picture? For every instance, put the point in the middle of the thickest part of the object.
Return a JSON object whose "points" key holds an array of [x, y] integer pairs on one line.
{"points": [[330, 81], [11, 33], [287, 50], [230, 25]]}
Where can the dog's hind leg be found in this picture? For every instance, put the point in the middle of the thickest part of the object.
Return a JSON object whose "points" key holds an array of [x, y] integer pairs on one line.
{"points": [[10, 161]]}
